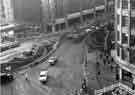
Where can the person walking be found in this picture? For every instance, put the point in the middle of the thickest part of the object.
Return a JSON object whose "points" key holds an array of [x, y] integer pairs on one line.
{"points": [[104, 59], [133, 85], [26, 76], [84, 86], [98, 68], [76, 92]]}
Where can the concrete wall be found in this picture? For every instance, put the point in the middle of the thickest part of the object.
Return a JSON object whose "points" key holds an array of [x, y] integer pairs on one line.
{"points": [[29, 10]]}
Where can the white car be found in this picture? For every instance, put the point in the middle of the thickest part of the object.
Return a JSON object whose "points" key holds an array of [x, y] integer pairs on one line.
{"points": [[43, 76], [52, 60], [88, 30]]}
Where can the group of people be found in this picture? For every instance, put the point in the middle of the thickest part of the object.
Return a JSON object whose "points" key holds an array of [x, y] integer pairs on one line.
{"points": [[104, 59], [83, 90]]}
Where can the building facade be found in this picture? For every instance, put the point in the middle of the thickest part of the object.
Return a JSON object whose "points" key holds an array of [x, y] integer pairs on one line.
{"points": [[6, 11], [125, 37], [125, 49]]}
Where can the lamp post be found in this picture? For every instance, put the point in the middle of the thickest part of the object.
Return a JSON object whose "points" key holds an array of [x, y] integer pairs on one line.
{"points": [[81, 12], [106, 5], [65, 13], [41, 18], [53, 15]]}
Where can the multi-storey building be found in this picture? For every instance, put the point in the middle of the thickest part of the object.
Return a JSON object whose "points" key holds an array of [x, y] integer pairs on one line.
{"points": [[125, 49], [125, 37], [6, 11]]}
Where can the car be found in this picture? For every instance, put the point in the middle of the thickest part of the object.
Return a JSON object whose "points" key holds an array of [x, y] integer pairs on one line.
{"points": [[88, 30], [95, 27], [52, 60], [43, 77], [6, 77]]}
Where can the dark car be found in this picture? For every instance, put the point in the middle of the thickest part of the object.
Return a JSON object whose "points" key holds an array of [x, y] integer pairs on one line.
{"points": [[6, 77]]}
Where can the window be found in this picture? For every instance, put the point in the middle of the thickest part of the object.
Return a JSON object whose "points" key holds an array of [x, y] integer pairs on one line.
{"points": [[124, 38], [118, 35], [132, 41], [124, 4], [118, 50], [126, 76], [63, 25], [132, 4], [57, 27], [49, 28], [124, 54], [132, 56], [124, 21], [133, 22], [118, 19]]}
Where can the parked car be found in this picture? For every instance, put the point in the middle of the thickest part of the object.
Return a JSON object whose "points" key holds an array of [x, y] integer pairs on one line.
{"points": [[6, 77], [52, 60], [43, 77]]}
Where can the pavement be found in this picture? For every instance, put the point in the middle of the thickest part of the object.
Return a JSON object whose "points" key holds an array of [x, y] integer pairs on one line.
{"points": [[95, 81]]}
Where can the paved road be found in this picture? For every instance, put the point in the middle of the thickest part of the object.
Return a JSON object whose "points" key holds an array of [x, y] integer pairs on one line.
{"points": [[65, 76]]}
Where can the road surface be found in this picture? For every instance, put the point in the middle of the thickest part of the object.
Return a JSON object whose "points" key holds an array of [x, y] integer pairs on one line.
{"points": [[64, 77]]}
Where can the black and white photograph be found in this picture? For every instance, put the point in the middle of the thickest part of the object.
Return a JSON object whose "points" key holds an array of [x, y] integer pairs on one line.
{"points": [[67, 47]]}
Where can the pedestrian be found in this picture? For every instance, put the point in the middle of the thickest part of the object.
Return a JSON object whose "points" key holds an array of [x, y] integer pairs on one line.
{"points": [[112, 60], [98, 68], [26, 76], [117, 76], [76, 92], [84, 86], [104, 60], [100, 55], [111, 68], [133, 85]]}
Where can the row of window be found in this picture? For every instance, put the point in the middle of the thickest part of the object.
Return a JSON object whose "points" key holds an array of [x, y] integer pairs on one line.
{"points": [[125, 4], [125, 21], [125, 39], [125, 54]]}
